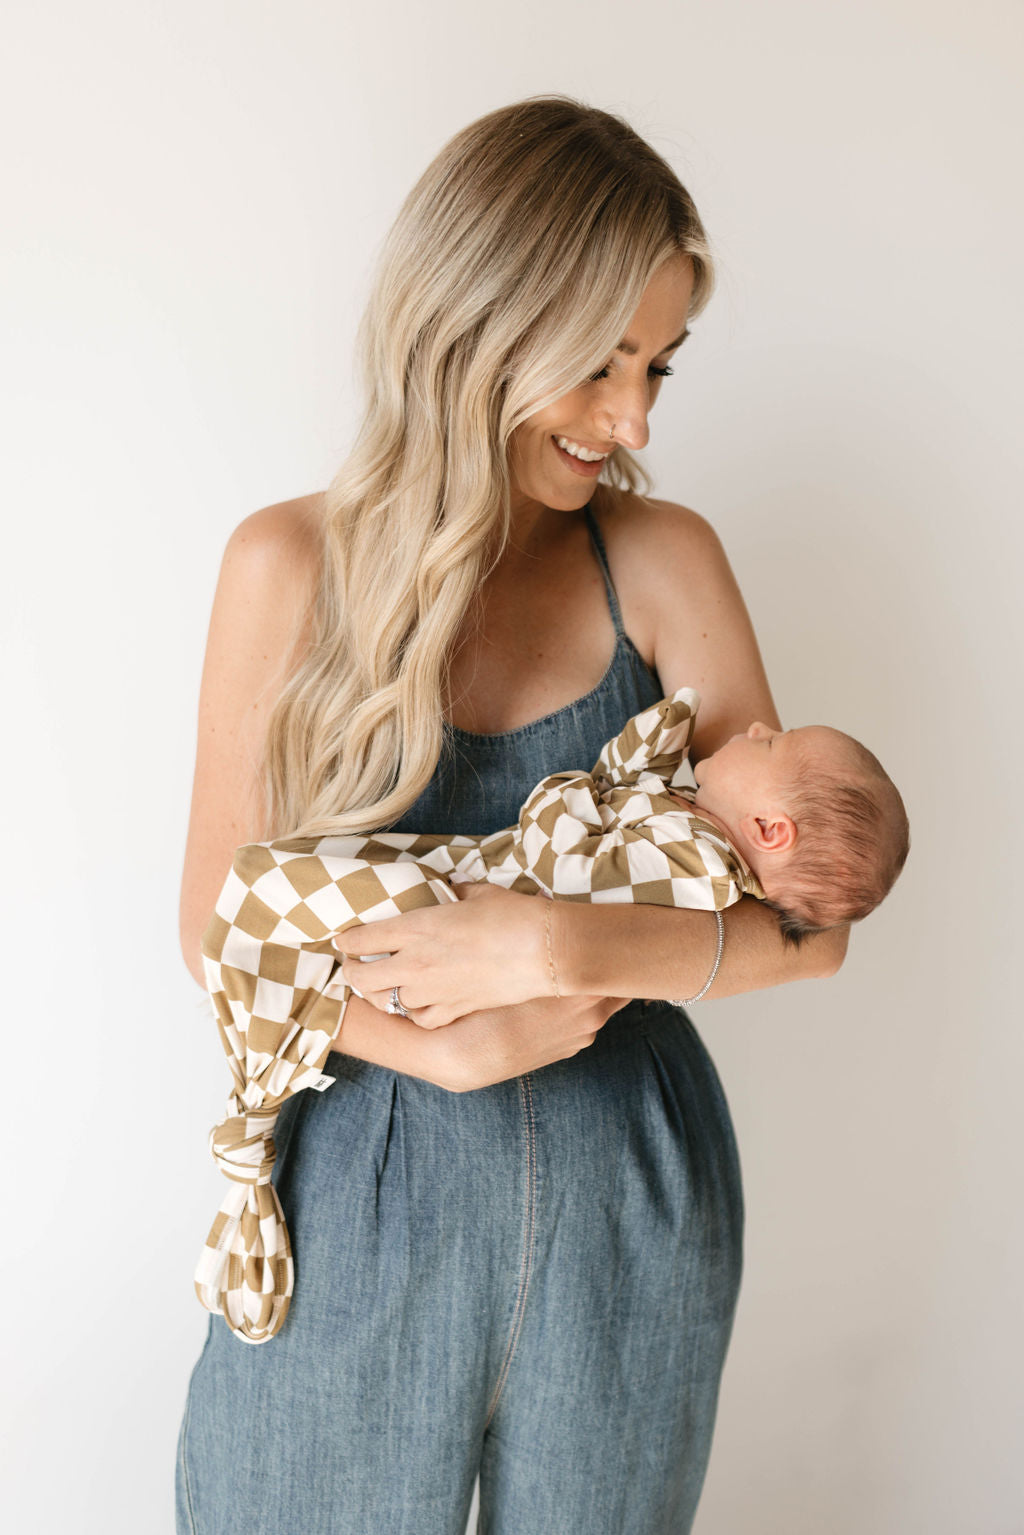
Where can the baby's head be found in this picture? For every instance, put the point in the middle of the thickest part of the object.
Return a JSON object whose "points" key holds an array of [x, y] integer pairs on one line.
{"points": [[815, 816]]}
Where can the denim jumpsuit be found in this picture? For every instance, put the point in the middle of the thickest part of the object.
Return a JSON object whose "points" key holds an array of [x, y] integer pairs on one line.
{"points": [[534, 1281]]}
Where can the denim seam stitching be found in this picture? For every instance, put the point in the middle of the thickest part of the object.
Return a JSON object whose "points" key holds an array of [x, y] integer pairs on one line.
{"points": [[184, 1463], [526, 1265]]}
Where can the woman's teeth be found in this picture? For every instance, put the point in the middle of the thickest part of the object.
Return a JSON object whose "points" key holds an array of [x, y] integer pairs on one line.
{"points": [[586, 455]]}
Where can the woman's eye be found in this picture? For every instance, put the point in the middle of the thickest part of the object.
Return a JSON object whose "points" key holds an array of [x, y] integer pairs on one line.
{"points": [[652, 372]]}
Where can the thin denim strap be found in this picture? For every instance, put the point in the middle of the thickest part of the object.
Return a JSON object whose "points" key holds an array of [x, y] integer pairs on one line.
{"points": [[602, 558]]}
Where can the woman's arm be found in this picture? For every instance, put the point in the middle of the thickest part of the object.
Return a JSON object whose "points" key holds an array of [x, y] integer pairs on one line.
{"points": [[617, 946], [492, 951], [258, 627], [681, 601], [673, 576]]}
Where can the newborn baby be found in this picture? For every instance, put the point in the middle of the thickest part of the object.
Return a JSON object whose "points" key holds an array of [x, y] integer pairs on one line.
{"points": [[805, 819]]}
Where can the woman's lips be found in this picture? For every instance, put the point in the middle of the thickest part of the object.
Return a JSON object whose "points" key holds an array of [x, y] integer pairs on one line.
{"points": [[588, 471]]}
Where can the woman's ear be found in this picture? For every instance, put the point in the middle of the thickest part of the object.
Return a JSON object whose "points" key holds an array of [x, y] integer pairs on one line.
{"points": [[769, 833]]}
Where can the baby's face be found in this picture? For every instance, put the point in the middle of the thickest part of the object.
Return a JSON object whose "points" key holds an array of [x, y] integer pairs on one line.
{"points": [[753, 773]]}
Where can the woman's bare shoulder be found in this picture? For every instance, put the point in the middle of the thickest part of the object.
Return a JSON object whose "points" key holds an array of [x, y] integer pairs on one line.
{"points": [[656, 550], [649, 530], [270, 573], [288, 532]]}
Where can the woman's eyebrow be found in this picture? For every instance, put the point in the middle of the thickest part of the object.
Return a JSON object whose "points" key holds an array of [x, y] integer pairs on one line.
{"points": [[630, 347]]}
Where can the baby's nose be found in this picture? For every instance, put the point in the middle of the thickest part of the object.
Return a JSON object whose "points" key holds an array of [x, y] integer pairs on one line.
{"points": [[758, 731]]}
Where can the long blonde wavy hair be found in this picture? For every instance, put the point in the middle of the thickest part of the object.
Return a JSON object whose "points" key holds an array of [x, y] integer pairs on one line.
{"points": [[510, 275]]}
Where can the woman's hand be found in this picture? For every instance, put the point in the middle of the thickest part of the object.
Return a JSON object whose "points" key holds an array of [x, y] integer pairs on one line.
{"points": [[489, 950], [481, 1049], [496, 1045]]}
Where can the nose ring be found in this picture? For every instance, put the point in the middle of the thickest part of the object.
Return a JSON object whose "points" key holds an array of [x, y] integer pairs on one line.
{"points": [[611, 434]]}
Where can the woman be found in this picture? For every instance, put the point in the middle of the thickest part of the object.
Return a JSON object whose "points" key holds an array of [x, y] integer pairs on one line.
{"points": [[517, 1233]]}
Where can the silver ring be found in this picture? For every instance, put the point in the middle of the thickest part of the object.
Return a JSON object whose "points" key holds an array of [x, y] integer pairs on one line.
{"points": [[395, 1004]]}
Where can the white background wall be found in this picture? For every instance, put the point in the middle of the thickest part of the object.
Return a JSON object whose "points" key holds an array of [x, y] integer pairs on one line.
{"points": [[195, 193]]}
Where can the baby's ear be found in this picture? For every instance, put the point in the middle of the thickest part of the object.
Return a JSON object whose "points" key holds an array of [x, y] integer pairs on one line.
{"points": [[769, 833]]}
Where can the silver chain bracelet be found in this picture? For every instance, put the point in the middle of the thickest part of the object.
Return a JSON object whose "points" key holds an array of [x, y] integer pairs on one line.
{"points": [[688, 1001]]}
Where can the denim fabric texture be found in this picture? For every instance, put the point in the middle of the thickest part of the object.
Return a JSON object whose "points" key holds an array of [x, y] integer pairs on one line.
{"points": [[534, 1282]]}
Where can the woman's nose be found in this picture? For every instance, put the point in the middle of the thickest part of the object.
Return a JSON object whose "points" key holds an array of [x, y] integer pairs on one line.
{"points": [[624, 414]]}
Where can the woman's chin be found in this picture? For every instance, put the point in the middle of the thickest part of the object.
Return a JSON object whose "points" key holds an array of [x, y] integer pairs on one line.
{"points": [[556, 497]]}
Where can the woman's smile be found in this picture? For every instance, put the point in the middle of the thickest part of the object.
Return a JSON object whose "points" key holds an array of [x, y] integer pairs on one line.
{"points": [[572, 456]]}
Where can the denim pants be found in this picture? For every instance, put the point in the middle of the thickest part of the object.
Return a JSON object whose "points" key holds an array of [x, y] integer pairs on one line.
{"points": [[534, 1282]]}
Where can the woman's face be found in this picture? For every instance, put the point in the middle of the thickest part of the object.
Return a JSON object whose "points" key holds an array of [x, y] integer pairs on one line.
{"points": [[620, 397]]}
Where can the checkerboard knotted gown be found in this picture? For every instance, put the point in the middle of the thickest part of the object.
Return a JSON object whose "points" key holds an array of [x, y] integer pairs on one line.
{"points": [[274, 977]]}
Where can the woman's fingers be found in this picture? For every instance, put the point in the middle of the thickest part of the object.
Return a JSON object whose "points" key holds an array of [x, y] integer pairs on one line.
{"points": [[376, 980], [370, 938], [367, 977], [420, 926], [496, 1045], [430, 1017]]}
